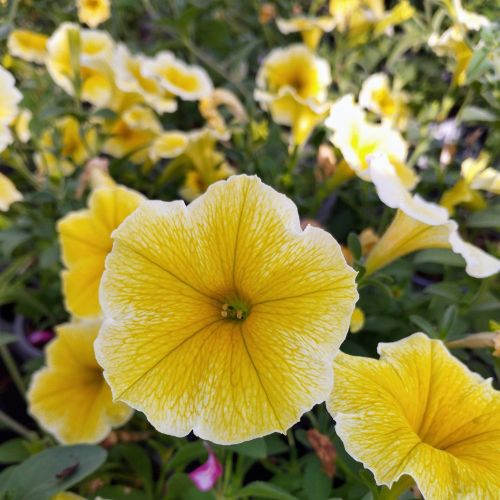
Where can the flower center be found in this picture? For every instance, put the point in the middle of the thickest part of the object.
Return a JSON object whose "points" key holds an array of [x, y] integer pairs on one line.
{"points": [[235, 309]]}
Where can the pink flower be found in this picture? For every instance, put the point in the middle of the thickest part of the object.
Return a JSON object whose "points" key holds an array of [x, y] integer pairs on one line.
{"points": [[40, 337], [205, 476]]}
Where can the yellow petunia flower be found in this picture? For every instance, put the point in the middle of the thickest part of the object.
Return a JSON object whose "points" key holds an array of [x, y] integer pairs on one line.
{"points": [[475, 176], [69, 397], [94, 52], [311, 28], [189, 82], [28, 45], [132, 134], [169, 145], [469, 20], [419, 224], [93, 12], [206, 164], [22, 125], [357, 320], [8, 193], [64, 147], [358, 139], [348, 13], [400, 13], [419, 412], [129, 71], [292, 84], [85, 238], [223, 317], [9, 100]]}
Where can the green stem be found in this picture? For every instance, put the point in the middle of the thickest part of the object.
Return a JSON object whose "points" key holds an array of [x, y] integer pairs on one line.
{"points": [[12, 11], [293, 450], [13, 370], [228, 470], [16, 426]]}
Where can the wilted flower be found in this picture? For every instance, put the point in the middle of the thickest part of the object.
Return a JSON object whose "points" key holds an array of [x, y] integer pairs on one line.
{"points": [[93, 12], [85, 238], [292, 84], [418, 411], [93, 52], [28, 45], [205, 476], [240, 341], [324, 450], [310, 28], [130, 77], [9, 99], [419, 224], [69, 397], [8, 193], [189, 82]]}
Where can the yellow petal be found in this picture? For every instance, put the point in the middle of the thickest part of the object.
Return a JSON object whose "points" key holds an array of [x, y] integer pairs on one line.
{"points": [[8, 193], [419, 411], [85, 238], [93, 12], [222, 317], [28, 45], [69, 397]]}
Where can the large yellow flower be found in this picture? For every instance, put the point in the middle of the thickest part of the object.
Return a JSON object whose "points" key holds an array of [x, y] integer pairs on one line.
{"points": [[69, 397], [129, 71], [359, 139], [28, 45], [419, 224], [9, 99], [189, 82], [8, 193], [93, 53], [93, 12], [292, 84], [420, 412], [223, 317], [85, 238]]}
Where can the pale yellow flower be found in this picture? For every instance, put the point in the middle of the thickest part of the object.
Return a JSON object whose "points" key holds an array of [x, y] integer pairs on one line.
{"points": [[419, 224], [223, 317], [8, 193], [419, 412], [9, 100], [28, 45], [85, 238], [357, 320], [189, 82], [64, 146], [346, 11], [310, 28], [292, 84], [400, 13], [129, 71], [470, 20], [69, 397], [93, 12], [168, 145], [132, 134], [95, 54], [22, 125]]}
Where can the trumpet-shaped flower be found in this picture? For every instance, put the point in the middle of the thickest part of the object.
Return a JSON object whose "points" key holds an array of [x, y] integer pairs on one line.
{"points": [[419, 224], [223, 317], [28, 45], [69, 397], [8, 193], [93, 51], [206, 164], [292, 84], [85, 238], [168, 145], [64, 146], [418, 411], [189, 82], [311, 28], [475, 176], [129, 71], [93, 12], [132, 134], [9, 100]]}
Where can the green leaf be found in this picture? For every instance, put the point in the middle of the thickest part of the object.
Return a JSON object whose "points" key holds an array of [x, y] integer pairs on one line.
{"points": [[450, 291], [449, 317], [476, 114], [485, 218], [442, 256], [13, 451], [256, 448], [53, 470], [478, 65], [259, 489], [423, 324], [354, 245], [188, 453], [316, 484], [140, 462], [180, 487]]}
